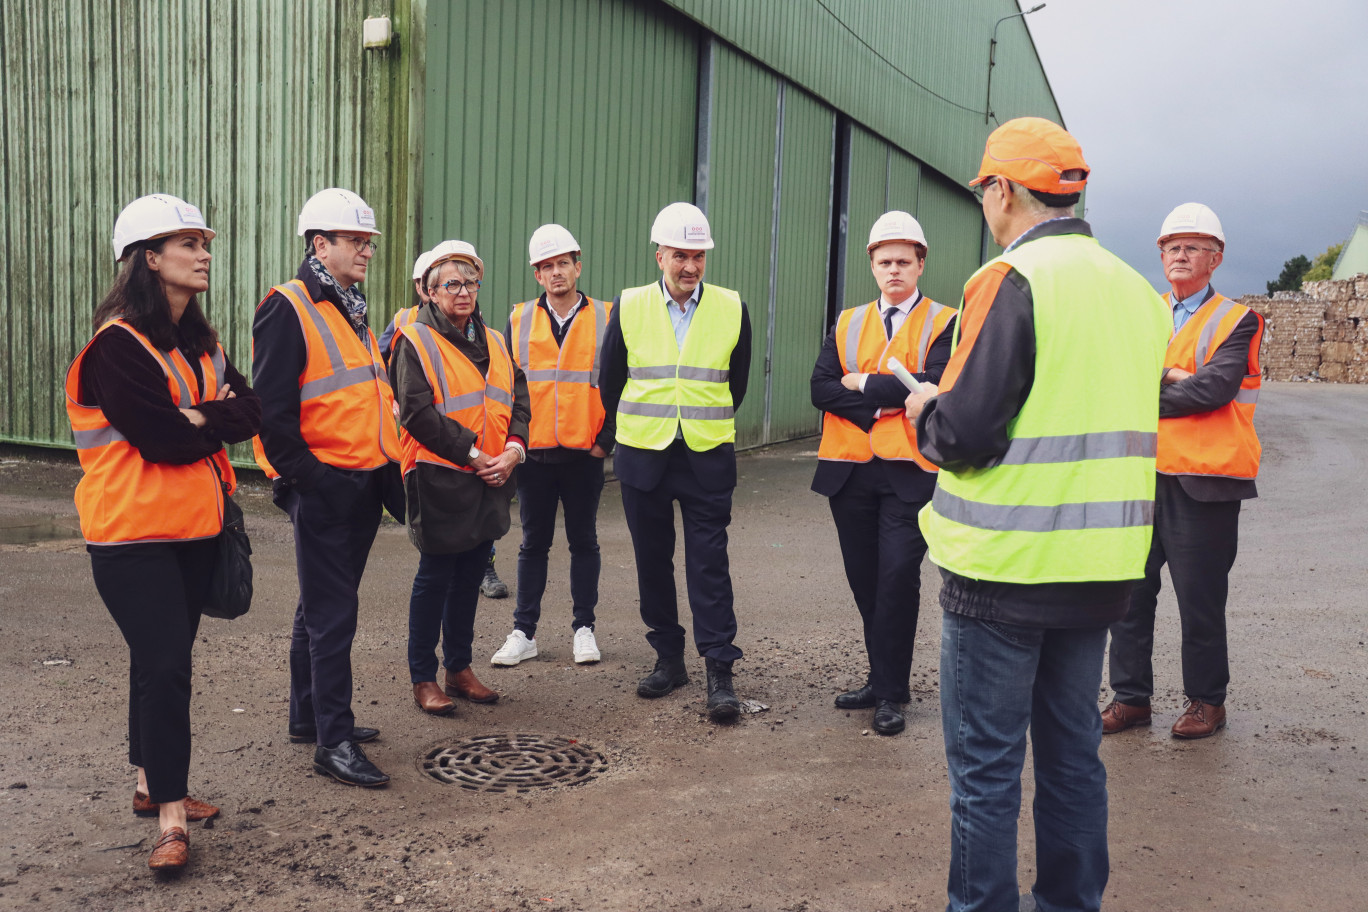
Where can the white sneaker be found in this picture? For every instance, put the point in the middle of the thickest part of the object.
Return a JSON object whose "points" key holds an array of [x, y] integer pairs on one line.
{"points": [[586, 647], [516, 648]]}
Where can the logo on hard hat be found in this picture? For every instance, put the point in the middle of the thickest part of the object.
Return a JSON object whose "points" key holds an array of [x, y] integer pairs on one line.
{"points": [[695, 232], [190, 215], [549, 244], [365, 217]]}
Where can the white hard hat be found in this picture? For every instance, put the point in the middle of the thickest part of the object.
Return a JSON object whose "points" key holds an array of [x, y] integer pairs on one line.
{"points": [[1192, 218], [682, 225], [549, 241], [155, 216], [896, 226], [336, 209], [455, 250], [422, 264]]}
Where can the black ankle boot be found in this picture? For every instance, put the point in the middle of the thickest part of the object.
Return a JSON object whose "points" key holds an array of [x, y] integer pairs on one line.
{"points": [[669, 673], [722, 703]]}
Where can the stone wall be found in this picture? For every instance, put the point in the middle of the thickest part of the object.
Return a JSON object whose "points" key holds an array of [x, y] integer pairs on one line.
{"points": [[1319, 333]]}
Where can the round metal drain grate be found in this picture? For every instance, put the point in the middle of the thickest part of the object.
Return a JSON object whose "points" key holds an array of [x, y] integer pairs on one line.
{"points": [[514, 763]]}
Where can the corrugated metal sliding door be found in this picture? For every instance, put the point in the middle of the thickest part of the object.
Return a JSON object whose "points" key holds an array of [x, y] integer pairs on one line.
{"points": [[241, 107], [867, 195], [571, 111], [769, 166], [904, 181], [953, 220]]}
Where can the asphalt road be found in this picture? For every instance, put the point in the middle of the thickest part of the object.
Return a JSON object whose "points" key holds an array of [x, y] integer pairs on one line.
{"points": [[798, 807]]}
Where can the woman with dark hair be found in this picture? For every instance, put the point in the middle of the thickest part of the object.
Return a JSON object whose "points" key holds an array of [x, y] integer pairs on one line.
{"points": [[152, 399]]}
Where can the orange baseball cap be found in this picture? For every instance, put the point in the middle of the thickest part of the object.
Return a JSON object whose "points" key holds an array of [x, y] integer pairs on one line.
{"points": [[1035, 153]]}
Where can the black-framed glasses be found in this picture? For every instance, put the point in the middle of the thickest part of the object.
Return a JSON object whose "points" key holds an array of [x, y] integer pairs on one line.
{"points": [[454, 287], [358, 243], [982, 188]]}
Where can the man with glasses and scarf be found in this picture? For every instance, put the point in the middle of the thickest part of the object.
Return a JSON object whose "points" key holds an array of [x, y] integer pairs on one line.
{"points": [[330, 445]]}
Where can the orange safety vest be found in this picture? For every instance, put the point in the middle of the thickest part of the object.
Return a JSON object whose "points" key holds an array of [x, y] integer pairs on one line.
{"points": [[123, 498], [562, 380], [462, 393], [402, 318], [864, 347], [346, 406], [1222, 441]]}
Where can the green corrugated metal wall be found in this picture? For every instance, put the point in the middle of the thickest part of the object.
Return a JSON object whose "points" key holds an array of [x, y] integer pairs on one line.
{"points": [[258, 114], [955, 235], [577, 112], [865, 202]]}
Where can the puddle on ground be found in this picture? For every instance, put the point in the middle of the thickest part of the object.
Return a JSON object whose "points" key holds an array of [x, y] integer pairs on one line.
{"points": [[29, 530]]}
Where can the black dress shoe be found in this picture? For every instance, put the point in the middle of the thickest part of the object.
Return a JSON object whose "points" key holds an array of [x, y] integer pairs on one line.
{"points": [[863, 698], [888, 718], [307, 734], [669, 673], [722, 703], [347, 764]]}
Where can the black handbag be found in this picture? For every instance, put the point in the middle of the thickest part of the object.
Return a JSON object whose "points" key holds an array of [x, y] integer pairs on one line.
{"points": [[230, 585]]}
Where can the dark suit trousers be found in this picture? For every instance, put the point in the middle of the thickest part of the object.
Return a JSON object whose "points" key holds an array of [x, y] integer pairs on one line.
{"points": [[882, 548], [332, 542], [707, 572], [577, 484], [1198, 540]]}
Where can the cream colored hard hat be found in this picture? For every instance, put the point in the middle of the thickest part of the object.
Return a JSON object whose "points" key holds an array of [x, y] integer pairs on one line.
{"points": [[336, 209], [1192, 218], [682, 225], [422, 264], [155, 216], [896, 226], [456, 250], [550, 241]]}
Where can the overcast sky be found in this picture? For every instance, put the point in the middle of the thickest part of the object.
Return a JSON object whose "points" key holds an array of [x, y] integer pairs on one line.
{"points": [[1258, 109]]}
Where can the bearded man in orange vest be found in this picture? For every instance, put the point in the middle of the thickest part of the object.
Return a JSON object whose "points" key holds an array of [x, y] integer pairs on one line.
{"points": [[868, 461], [557, 339], [1207, 462], [330, 444]]}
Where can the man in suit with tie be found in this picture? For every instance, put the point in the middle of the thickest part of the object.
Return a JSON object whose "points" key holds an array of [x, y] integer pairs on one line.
{"points": [[868, 462], [676, 358]]}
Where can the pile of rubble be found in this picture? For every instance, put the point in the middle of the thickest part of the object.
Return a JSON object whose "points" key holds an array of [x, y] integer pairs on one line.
{"points": [[1318, 333]]}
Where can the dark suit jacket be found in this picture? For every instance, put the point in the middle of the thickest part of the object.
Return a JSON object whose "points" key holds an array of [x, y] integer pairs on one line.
{"points": [[643, 469], [909, 481]]}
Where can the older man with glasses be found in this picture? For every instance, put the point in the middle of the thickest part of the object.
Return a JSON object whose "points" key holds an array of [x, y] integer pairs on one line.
{"points": [[1208, 460]]}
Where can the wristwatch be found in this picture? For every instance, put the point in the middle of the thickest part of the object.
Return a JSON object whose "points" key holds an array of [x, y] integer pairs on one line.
{"points": [[474, 452]]}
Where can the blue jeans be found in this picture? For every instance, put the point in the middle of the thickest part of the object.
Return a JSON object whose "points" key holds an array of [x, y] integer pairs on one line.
{"points": [[997, 681], [446, 591]]}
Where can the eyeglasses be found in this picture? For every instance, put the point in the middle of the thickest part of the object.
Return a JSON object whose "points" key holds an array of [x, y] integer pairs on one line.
{"points": [[1187, 250], [982, 188], [358, 243], [454, 288]]}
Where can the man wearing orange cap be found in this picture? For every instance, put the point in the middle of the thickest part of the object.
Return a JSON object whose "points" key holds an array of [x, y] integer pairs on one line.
{"points": [[1044, 428], [1208, 460]]}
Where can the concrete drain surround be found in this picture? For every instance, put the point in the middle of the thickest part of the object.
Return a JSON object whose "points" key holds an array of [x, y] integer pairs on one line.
{"points": [[514, 763]]}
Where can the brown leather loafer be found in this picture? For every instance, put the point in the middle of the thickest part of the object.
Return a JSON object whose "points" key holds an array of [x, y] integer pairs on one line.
{"points": [[194, 808], [465, 685], [171, 851], [1199, 720], [1120, 716], [430, 698]]}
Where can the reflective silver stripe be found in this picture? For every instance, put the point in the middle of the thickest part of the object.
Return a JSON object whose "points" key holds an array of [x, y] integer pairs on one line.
{"points": [[706, 374], [706, 412], [217, 359], [1069, 517], [648, 409], [463, 401], [498, 395], [89, 440], [1209, 330], [1081, 447], [352, 376], [426, 337], [924, 343], [524, 340], [320, 325], [600, 327], [663, 372], [186, 400], [556, 375], [850, 359], [1247, 397]]}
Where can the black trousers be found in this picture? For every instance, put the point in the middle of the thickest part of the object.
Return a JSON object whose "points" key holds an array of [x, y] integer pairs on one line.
{"points": [[882, 549], [707, 571], [333, 537], [576, 484], [155, 591], [446, 592], [1198, 541]]}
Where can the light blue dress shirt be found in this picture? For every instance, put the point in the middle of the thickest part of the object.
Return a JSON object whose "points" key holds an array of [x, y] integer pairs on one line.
{"points": [[1184, 309], [681, 318]]}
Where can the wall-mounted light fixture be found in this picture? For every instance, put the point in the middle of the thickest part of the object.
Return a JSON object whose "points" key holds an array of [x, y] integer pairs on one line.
{"points": [[992, 57]]}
